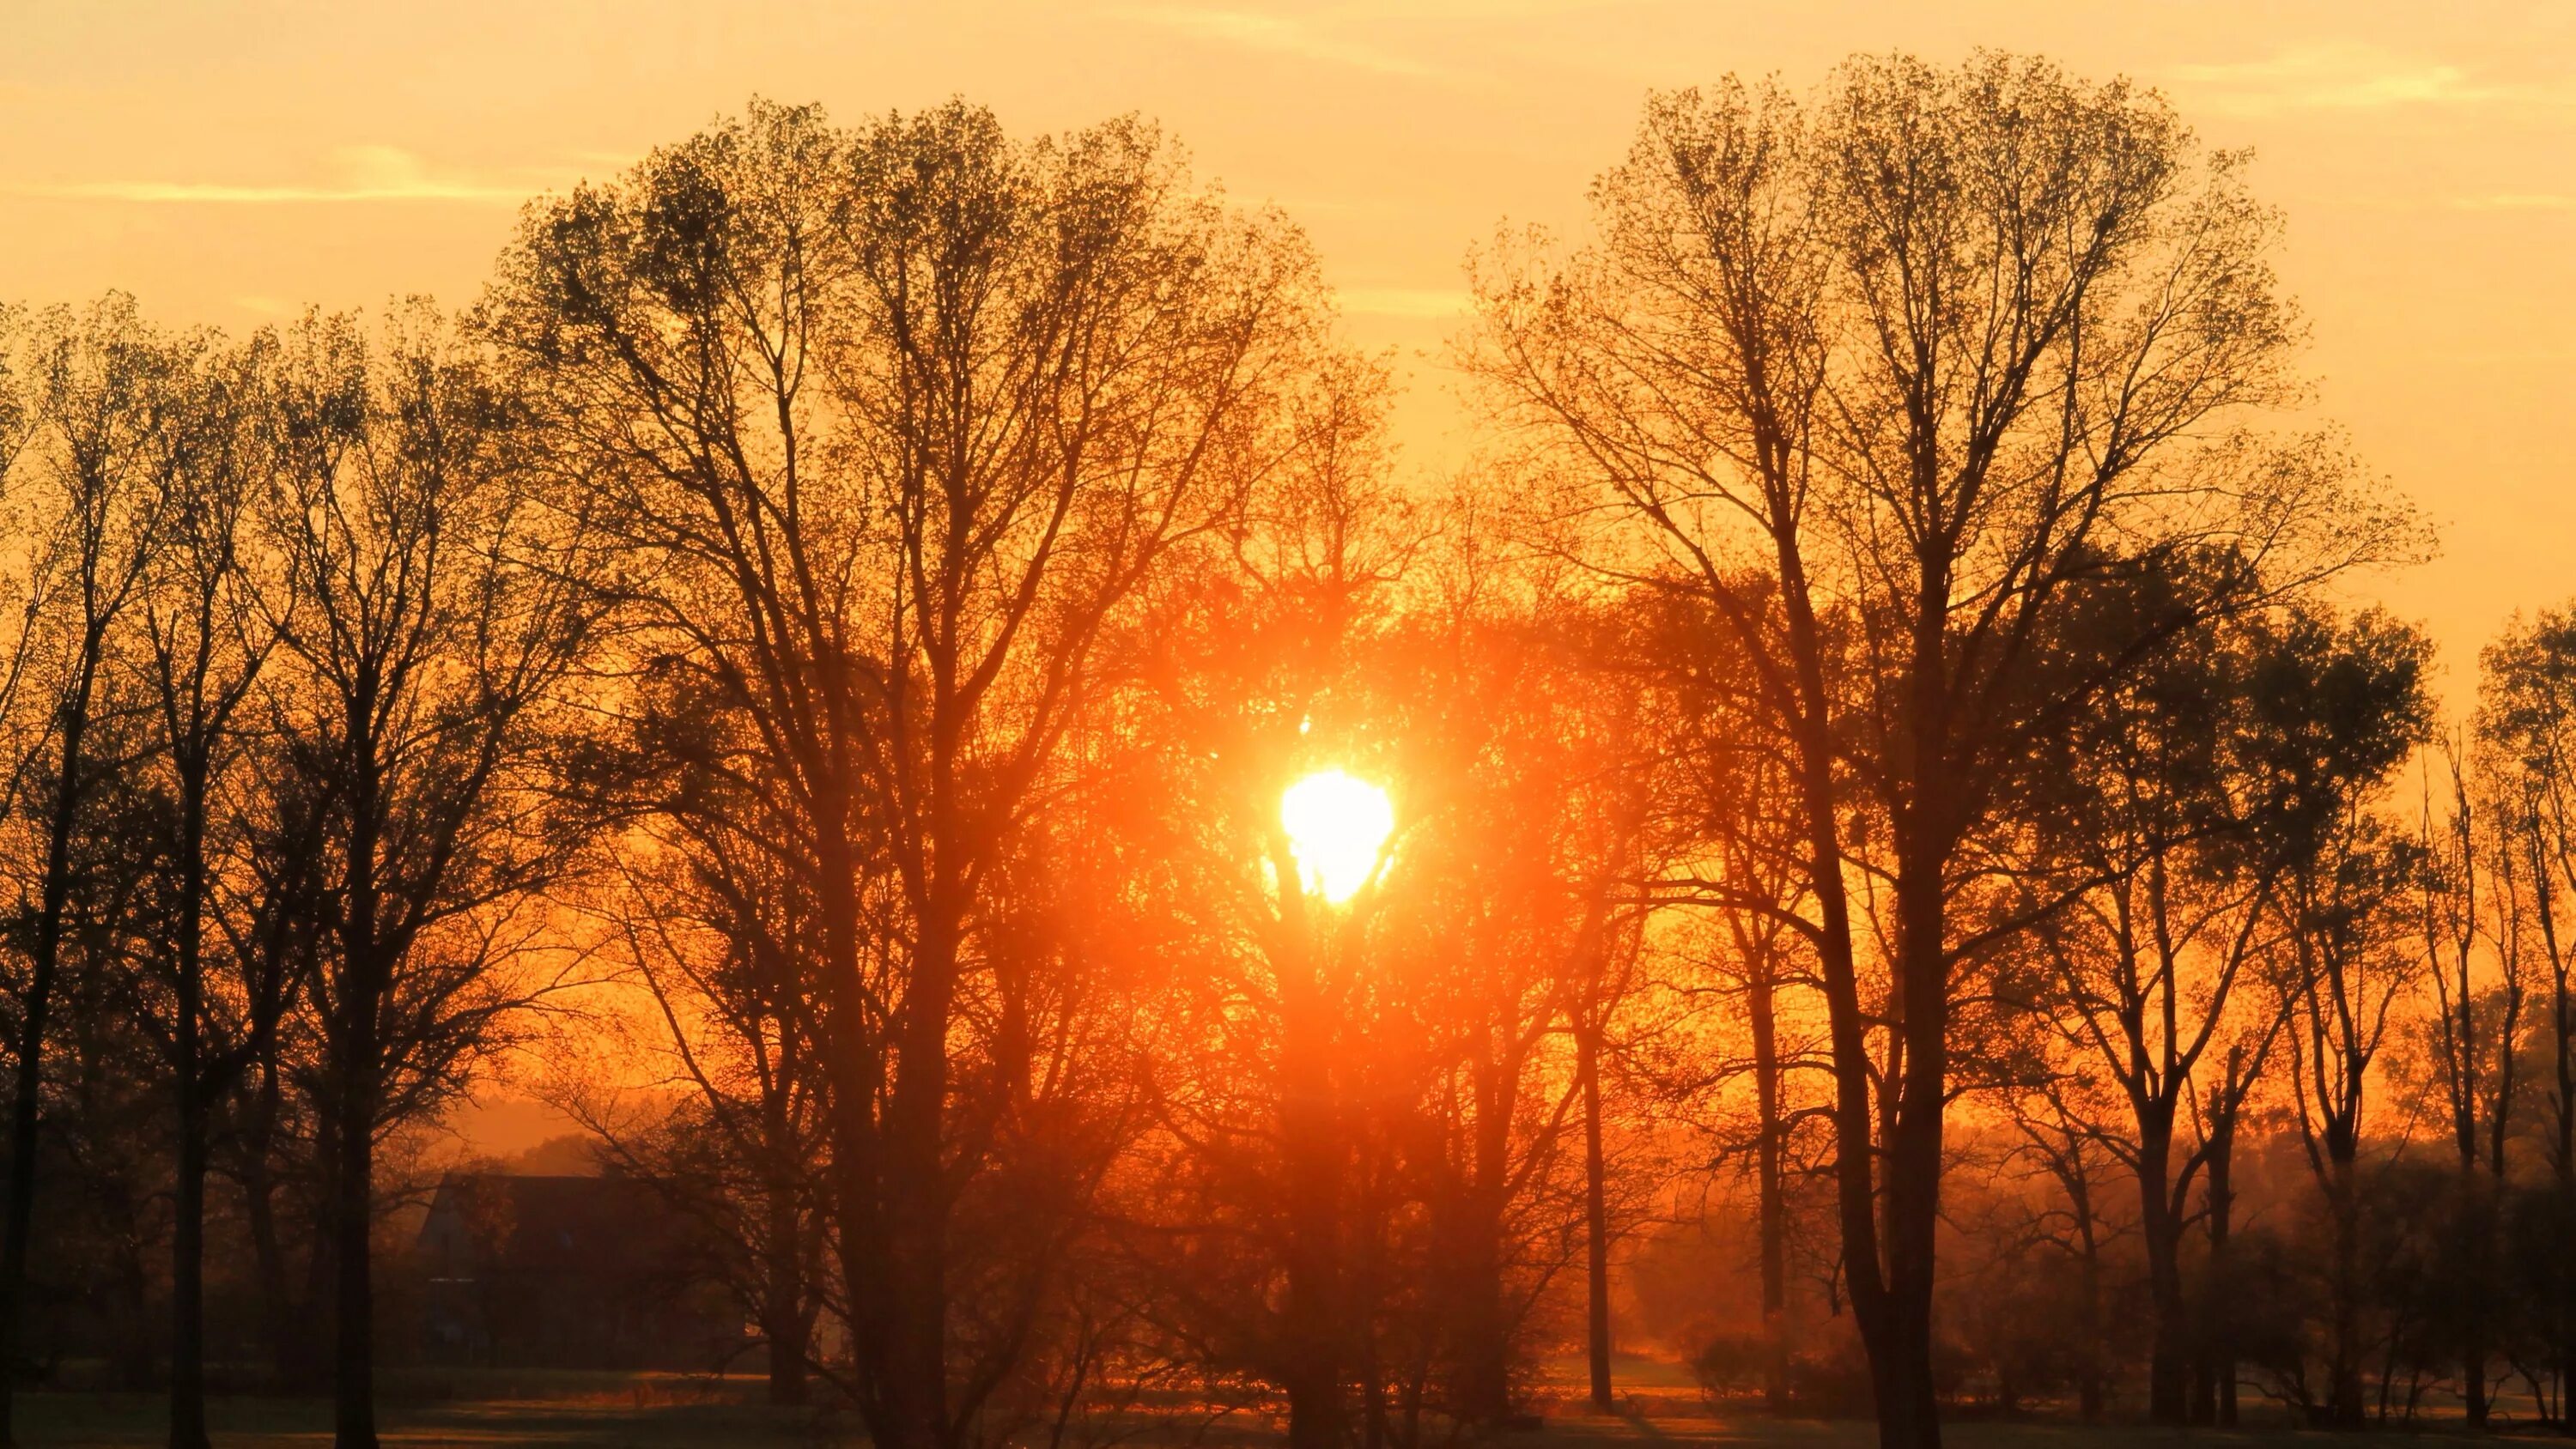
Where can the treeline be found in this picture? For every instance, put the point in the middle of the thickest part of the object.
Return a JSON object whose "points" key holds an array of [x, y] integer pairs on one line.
{"points": [[1871, 731]]}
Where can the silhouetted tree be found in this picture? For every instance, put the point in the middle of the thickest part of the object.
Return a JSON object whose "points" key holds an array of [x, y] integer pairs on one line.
{"points": [[435, 613], [1935, 353], [2527, 718], [96, 400], [2474, 1040], [2342, 704], [894, 422], [203, 646], [2149, 819]]}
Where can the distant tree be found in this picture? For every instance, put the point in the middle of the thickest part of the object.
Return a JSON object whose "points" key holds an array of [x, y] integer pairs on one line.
{"points": [[2217, 1112], [718, 932], [1931, 356], [2148, 820], [1515, 907], [2342, 704], [2527, 720], [1725, 803], [2475, 1038]]}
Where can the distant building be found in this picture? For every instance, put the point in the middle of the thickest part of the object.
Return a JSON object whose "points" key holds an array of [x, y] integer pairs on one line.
{"points": [[568, 1272]]}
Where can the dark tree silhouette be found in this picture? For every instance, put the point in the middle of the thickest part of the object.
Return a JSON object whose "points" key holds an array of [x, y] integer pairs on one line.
{"points": [[1939, 350], [897, 421], [435, 614], [203, 646], [2527, 720], [97, 411], [2341, 704]]}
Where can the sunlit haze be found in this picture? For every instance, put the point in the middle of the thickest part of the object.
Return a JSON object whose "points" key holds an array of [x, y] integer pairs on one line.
{"points": [[1337, 827]]}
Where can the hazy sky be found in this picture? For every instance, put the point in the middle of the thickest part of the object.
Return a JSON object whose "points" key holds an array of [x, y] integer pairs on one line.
{"points": [[231, 162]]}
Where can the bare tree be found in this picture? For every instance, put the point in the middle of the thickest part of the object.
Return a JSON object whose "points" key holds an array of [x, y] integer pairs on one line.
{"points": [[717, 930], [2151, 816], [1516, 910], [1928, 359], [2057, 1134], [897, 421], [1735, 835], [2345, 704], [434, 615], [2474, 1030], [2527, 720], [203, 647], [98, 407]]}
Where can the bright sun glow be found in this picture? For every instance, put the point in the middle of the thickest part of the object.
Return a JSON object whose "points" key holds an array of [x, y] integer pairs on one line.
{"points": [[1337, 824]]}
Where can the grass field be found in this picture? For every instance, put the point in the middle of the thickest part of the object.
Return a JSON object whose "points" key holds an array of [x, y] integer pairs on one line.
{"points": [[604, 1411]]}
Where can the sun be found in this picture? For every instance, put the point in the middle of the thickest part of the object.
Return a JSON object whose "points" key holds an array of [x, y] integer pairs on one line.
{"points": [[1337, 824]]}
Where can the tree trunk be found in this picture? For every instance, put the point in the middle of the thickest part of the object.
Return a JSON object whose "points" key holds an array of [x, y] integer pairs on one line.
{"points": [[187, 1277], [25, 1108], [915, 1394], [1309, 1132], [358, 1051], [1902, 1349], [1486, 1394], [2161, 1231], [188, 1232], [2566, 1306], [783, 1301], [1596, 1222], [2562, 1160], [353, 1379], [1771, 1189], [2214, 1376], [2090, 1389], [2346, 1407], [2473, 1297]]}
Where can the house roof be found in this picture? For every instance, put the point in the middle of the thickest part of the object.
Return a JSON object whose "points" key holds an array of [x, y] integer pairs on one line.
{"points": [[609, 1225]]}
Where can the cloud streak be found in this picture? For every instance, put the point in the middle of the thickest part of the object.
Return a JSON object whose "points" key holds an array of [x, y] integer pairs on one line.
{"points": [[2516, 201], [2339, 76], [362, 174]]}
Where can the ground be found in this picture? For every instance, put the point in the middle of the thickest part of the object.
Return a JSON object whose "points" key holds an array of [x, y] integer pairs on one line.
{"points": [[614, 1411]]}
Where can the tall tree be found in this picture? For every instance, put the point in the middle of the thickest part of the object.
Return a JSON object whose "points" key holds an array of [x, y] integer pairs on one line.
{"points": [[895, 421], [2527, 719], [87, 476], [1925, 359], [434, 615], [2474, 1030], [202, 651], [2344, 703]]}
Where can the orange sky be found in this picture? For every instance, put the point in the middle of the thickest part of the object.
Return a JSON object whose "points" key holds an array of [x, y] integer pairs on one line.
{"points": [[231, 161]]}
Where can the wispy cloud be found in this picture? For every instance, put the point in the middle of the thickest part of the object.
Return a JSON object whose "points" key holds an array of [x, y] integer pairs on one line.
{"points": [[356, 173], [1279, 34], [2336, 76], [2516, 201]]}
